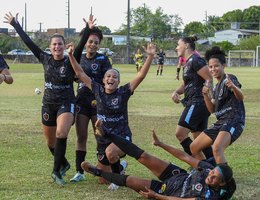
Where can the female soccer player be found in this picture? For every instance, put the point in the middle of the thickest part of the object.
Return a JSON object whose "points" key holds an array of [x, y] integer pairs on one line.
{"points": [[138, 58], [203, 182], [227, 104], [59, 99], [5, 75], [160, 61], [94, 65], [112, 103], [194, 117]]}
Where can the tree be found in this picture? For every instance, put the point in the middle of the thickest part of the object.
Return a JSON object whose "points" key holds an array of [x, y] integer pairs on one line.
{"points": [[251, 17], [105, 30], [194, 27]]}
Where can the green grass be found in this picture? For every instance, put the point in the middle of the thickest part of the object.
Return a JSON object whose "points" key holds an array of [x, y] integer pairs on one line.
{"points": [[26, 163]]}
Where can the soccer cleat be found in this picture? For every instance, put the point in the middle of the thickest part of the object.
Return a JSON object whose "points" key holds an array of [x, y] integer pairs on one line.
{"points": [[99, 130], [64, 169], [78, 177], [112, 186], [124, 165], [90, 168], [57, 178]]}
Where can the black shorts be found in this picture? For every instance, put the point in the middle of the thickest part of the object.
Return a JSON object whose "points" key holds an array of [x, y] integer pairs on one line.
{"points": [[102, 144], [160, 62], [169, 172], [233, 127], [195, 117], [86, 106], [50, 112]]}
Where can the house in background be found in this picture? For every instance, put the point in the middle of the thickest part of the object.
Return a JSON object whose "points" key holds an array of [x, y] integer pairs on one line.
{"points": [[233, 35]]}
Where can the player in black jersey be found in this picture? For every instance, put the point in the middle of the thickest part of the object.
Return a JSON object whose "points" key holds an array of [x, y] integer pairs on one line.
{"points": [[94, 65], [59, 99], [194, 117], [160, 61], [226, 103], [112, 104], [203, 182], [5, 75]]}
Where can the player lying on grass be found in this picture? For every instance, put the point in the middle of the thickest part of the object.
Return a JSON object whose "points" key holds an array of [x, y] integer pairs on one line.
{"points": [[203, 182]]}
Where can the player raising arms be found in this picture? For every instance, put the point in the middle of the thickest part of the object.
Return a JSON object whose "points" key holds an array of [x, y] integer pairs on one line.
{"points": [[59, 99], [112, 103]]}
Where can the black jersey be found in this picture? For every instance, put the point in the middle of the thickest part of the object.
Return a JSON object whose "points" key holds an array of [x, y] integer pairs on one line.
{"points": [[112, 108], [227, 107], [193, 82], [58, 74], [3, 64], [161, 56], [188, 185], [95, 68]]}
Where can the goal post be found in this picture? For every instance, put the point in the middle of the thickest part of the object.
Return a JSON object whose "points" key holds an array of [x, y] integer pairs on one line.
{"points": [[257, 64], [238, 58]]}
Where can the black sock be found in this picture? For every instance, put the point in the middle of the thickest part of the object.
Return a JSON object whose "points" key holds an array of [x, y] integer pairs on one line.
{"points": [[126, 146], [59, 153], [161, 72], [51, 150], [157, 72], [116, 167], [80, 157], [117, 179], [208, 152], [186, 145]]}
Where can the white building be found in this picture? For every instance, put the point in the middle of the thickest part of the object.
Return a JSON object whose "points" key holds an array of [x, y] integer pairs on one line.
{"points": [[232, 35]]}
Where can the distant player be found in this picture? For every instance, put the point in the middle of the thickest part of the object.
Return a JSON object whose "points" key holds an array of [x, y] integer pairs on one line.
{"points": [[160, 61], [138, 58]]}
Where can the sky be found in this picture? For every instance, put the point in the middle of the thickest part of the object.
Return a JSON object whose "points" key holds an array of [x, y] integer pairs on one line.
{"points": [[54, 13]]}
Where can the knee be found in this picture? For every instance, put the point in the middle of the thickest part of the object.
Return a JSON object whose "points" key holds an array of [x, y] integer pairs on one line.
{"points": [[112, 157], [180, 136], [217, 150], [193, 148]]}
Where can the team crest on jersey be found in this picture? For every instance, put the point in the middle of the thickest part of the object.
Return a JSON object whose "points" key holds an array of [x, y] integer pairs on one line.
{"points": [[176, 171], [114, 101], [100, 157], [46, 116], [62, 70], [221, 92], [94, 66], [198, 187]]}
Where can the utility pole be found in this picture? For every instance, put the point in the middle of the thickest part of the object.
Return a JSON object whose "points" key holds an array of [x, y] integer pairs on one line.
{"points": [[68, 13], [128, 33], [40, 27], [25, 18]]}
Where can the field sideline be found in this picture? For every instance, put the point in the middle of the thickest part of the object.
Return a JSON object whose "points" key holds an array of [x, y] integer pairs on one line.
{"points": [[26, 163]]}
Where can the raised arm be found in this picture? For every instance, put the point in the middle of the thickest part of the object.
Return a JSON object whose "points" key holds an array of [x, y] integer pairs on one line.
{"points": [[150, 50], [181, 155], [90, 24], [77, 68], [9, 18]]}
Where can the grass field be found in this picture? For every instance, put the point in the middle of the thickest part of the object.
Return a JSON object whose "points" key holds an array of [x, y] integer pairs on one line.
{"points": [[26, 163]]}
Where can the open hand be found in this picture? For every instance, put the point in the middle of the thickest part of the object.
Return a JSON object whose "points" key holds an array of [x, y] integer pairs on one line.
{"points": [[9, 17]]}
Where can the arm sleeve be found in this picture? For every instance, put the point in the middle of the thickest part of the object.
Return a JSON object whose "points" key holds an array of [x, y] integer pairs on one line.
{"points": [[26, 39], [79, 48]]}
